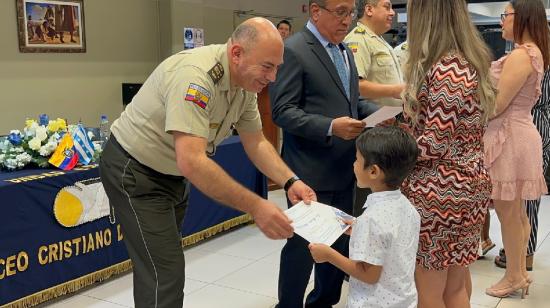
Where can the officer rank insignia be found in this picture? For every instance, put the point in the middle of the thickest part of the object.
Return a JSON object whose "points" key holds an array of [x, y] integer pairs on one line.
{"points": [[360, 30], [216, 72], [353, 46], [197, 95]]}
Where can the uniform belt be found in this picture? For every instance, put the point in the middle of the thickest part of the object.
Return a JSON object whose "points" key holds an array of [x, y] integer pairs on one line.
{"points": [[149, 170]]}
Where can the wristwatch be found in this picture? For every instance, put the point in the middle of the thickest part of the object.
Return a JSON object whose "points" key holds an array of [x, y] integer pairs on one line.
{"points": [[290, 181]]}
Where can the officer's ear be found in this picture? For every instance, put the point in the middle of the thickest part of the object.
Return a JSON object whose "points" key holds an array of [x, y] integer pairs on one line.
{"points": [[369, 10], [236, 52]]}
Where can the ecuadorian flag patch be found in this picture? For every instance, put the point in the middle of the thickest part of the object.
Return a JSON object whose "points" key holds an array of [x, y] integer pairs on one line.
{"points": [[197, 95], [353, 46]]}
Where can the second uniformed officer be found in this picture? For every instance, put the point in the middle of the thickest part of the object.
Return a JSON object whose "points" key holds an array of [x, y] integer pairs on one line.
{"points": [[189, 104], [381, 79]]}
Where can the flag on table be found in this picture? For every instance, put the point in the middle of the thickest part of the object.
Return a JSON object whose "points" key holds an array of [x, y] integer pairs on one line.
{"points": [[83, 146], [64, 156]]}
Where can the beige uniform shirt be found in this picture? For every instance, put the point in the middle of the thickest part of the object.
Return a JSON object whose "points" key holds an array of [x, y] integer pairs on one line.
{"points": [[402, 53], [189, 92], [375, 60]]}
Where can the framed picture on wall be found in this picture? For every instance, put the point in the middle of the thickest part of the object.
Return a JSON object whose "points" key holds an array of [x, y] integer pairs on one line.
{"points": [[51, 25]]}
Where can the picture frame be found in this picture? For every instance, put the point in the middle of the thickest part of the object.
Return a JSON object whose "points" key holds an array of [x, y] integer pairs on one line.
{"points": [[46, 26]]}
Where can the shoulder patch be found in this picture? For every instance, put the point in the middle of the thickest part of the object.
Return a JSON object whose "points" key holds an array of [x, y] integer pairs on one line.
{"points": [[197, 95], [216, 72], [359, 30], [405, 46], [353, 46]]}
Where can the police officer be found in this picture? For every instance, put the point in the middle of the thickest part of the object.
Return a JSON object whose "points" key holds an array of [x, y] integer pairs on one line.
{"points": [[189, 104], [381, 78]]}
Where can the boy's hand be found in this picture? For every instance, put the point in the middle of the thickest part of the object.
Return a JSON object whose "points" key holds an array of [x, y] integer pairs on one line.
{"points": [[350, 224], [320, 252]]}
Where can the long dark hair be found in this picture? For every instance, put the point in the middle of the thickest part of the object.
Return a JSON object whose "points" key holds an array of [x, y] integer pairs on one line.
{"points": [[530, 15]]}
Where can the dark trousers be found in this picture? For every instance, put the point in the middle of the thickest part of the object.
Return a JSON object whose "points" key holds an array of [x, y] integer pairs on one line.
{"points": [[297, 263], [150, 207]]}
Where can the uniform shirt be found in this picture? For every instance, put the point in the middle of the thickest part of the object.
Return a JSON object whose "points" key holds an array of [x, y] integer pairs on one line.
{"points": [[189, 92], [386, 234], [401, 51], [375, 60]]}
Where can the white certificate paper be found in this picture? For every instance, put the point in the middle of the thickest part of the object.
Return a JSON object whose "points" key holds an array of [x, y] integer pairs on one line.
{"points": [[317, 222], [382, 114]]}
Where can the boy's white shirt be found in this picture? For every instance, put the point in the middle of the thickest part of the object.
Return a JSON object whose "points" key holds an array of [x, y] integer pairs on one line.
{"points": [[386, 234]]}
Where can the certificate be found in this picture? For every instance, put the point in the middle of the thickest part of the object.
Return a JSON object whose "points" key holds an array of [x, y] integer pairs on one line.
{"points": [[317, 222], [382, 114]]}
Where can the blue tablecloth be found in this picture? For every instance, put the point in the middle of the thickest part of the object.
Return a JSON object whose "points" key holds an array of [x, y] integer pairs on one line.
{"points": [[40, 259]]}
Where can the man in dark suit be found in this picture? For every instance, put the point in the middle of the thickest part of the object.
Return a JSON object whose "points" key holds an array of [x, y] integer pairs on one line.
{"points": [[315, 102]]}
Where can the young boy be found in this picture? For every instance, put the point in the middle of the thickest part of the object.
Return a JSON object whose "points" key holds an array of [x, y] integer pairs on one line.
{"points": [[384, 239]]}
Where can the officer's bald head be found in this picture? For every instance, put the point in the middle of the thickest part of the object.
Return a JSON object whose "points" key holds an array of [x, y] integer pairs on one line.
{"points": [[256, 31], [255, 52]]}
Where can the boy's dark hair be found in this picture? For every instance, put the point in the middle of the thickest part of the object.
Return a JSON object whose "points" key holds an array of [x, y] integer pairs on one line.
{"points": [[390, 148], [286, 22]]}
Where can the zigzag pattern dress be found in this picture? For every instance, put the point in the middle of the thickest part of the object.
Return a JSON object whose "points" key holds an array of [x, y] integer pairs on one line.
{"points": [[449, 186]]}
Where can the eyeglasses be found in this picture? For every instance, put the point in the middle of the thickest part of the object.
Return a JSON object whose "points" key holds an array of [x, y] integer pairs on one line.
{"points": [[341, 13], [504, 15]]}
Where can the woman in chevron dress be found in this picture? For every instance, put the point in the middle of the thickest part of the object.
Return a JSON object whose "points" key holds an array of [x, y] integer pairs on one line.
{"points": [[448, 98]]}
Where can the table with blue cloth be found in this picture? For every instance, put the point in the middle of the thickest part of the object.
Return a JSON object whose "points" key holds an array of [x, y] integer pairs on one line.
{"points": [[40, 259]]}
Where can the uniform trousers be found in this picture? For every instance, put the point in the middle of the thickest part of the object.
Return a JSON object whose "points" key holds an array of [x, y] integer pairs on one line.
{"points": [[150, 207]]}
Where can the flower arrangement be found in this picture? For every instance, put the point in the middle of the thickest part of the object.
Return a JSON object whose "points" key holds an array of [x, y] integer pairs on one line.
{"points": [[36, 143]]}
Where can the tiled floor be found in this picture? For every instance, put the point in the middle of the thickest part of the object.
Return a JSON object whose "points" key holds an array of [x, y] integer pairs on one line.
{"points": [[239, 270]]}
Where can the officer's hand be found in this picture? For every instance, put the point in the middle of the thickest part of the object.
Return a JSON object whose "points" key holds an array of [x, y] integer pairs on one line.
{"points": [[272, 221], [347, 128], [299, 191], [398, 89]]}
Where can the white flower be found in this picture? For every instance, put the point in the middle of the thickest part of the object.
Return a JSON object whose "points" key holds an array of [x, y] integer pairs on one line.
{"points": [[15, 131], [4, 145], [35, 143], [41, 133], [54, 138], [18, 149], [48, 148], [23, 159], [11, 163], [30, 131], [2, 157]]}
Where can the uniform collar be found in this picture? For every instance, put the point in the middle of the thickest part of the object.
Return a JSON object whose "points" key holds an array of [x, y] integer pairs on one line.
{"points": [[375, 197], [225, 83], [367, 29]]}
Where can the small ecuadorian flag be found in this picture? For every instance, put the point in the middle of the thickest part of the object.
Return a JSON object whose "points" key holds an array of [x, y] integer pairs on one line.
{"points": [[353, 46], [197, 95], [65, 156]]}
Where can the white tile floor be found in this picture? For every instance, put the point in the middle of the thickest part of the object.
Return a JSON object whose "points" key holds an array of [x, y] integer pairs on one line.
{"points": [[239, 269]]}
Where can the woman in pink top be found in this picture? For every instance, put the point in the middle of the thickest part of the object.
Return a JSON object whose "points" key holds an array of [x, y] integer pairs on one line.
{"points": [[511, 135]]}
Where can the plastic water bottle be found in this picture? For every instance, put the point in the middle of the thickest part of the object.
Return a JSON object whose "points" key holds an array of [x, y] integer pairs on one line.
{"points": [[104, 130]]}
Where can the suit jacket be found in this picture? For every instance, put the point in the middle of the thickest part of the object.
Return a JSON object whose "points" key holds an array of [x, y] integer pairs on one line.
{"points": [[306, 96]]}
